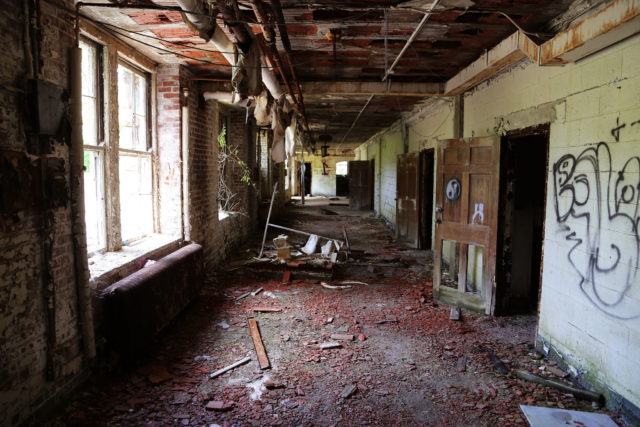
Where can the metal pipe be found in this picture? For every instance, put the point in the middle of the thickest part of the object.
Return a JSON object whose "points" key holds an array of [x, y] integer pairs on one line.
{"points": [[305, 233], [424, 20], [355, 121], [284, 36], [79, 231], [266, 226], [269, 41]]}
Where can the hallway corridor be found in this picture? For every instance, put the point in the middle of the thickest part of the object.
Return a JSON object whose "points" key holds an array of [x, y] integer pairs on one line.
{"points": [[418, 368]]}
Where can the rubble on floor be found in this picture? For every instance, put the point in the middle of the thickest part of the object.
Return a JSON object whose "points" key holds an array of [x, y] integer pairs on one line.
{"points": [[380, 352]]}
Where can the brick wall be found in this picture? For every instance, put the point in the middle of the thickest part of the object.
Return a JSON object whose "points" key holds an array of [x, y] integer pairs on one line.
{"points": [[40, 346], [169, 149]]}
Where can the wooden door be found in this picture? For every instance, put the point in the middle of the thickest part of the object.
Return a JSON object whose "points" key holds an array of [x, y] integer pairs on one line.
{"points": [[467, 190], [360, 185], [407, 208]]}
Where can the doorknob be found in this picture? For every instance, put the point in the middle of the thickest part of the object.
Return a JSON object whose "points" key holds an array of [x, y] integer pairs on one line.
{"points": [[439, 209]]}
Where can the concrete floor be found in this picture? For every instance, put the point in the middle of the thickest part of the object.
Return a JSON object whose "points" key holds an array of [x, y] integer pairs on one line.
{"points": [[422, 369]]}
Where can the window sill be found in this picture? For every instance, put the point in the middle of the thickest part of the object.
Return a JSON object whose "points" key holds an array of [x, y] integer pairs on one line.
{"points": [[133, 257]]}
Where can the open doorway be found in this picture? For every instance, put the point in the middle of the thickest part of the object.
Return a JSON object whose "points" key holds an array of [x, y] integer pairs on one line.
{"points": [[521, 220], [426, 198], [307, 179], [342, 178]]}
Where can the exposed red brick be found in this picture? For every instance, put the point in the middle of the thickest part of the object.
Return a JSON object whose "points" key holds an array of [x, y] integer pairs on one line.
{"points": [[155, 17], [174, 33], [302, 30], [363, 30]]}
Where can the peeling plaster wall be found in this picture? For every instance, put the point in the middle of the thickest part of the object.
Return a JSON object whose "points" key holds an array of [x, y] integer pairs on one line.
{"points": [[590, 303], [30, 375], [324, 185]]}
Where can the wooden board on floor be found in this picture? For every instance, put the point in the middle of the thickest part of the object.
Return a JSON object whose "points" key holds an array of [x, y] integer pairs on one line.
{"points": [[257, 343]]}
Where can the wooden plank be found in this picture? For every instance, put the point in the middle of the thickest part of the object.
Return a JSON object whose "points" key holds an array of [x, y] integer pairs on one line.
{"points": [[257, 343]]}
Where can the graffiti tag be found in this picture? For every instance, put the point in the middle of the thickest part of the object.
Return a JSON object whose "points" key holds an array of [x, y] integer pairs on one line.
{"points": [[597, 206]]}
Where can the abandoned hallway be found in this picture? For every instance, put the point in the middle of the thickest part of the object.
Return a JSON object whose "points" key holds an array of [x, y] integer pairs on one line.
{"points": [[292, 212], [420, 368]]}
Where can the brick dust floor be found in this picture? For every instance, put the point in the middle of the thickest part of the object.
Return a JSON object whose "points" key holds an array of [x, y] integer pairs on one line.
{"points": [[421, 369]]}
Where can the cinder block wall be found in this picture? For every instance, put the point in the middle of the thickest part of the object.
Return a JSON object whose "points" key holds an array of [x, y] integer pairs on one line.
{"points": [[33, 369], [590, 302]]}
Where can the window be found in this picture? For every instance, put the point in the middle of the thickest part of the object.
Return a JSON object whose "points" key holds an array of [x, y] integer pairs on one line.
{"points": [[136, 198], [342, 168], [92, 134]]}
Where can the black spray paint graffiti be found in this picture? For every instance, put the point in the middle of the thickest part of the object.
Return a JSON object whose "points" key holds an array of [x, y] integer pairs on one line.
{"points": [[598, 209]]}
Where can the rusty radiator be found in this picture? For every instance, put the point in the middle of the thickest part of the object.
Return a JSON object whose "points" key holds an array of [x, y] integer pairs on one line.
{"points": [[140, 305]]}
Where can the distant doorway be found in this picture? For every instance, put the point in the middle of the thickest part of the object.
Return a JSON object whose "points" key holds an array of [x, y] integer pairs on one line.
{"points": [[342, 178], [307, 180], [427, 158], [521, 220]]}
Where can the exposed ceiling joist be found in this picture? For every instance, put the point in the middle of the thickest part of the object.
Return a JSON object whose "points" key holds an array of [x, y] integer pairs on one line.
{"points": [[373, 88]]}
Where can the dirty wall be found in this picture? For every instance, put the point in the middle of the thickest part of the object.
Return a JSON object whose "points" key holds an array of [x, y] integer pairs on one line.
{"points": [[590, 301], [323, 179], [40, 339]]}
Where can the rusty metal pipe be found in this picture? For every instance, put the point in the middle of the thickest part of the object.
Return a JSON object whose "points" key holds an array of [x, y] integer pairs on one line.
{"points": [[415, 34], [269, 43], [284, 36]]}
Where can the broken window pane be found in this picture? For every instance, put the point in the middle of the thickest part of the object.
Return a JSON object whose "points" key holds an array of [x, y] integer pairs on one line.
{"points": [[342, 168], [450, 265], [136, 201], [94, 200], [132, 109], [474, 269]]}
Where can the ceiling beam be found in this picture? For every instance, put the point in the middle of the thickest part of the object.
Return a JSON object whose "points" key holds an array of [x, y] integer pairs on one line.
{"points": [[372, 88]]}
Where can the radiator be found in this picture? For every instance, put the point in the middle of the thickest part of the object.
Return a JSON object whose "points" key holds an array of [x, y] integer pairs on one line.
{"points": [[140, 305]]}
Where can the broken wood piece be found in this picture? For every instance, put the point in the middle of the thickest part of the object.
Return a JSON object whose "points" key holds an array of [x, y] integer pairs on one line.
{"points": [[230, 367], [497, 363], [256, 292], [328, 345], [243, 296], [257, 343], [267, 309], [353, 282], [380, 322], [348, 391], [328, 211], [342, 337], [328, 286], [346, 239], [286, 277], [566, 388], [557, 372]]}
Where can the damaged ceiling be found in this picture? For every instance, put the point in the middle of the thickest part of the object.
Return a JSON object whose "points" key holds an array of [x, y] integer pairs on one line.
{"points": [[335, 43]]}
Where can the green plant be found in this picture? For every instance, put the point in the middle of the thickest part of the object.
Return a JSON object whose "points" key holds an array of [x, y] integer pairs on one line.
{"points": [[228, 154]]}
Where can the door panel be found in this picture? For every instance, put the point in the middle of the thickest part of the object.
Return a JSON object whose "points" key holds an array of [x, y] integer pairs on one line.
{"points": [[467, 184], [360, 185], [407, 208]]}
